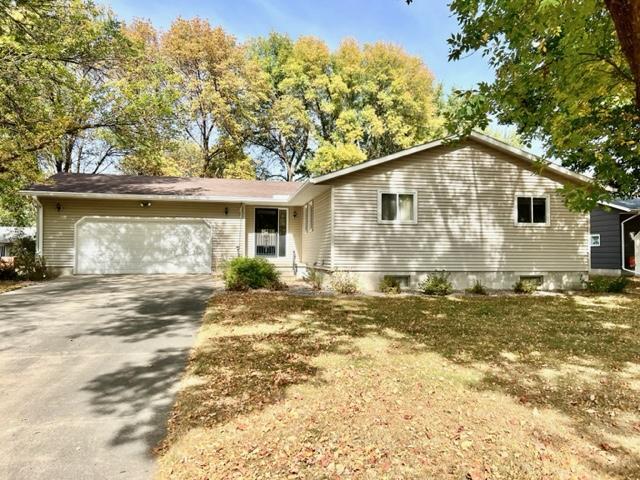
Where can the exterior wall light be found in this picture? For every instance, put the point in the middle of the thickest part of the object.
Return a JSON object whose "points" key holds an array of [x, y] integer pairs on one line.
{"points": [[145, 204], [59, 207], [226, 211]]}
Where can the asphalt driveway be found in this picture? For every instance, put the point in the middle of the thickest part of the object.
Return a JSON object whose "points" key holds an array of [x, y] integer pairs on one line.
{"points": [[88, 370]]}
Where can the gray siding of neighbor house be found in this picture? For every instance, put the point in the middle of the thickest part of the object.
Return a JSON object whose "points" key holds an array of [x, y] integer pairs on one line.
{"points": [[608, 254]]}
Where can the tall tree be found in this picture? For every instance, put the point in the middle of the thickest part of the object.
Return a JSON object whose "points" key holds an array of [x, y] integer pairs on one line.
{"points": [[51, 52], [329, 110], [283, 130], [220, 89], [383, 99], [626, 18], [566, 74]]}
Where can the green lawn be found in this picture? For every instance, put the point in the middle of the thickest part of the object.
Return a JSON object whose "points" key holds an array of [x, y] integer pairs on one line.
{"points": [[284, 386]]}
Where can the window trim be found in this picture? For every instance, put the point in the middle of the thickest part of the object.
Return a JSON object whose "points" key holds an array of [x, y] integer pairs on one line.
{"points": [[547, 202], [591, 237], [414, 221]]}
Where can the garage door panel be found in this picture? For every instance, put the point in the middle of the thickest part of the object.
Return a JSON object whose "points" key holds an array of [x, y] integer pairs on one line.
{"points": [[142, 246]]}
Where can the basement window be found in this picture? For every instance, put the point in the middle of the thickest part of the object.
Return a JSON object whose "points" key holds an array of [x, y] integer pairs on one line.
{"points": [[536, 280]]}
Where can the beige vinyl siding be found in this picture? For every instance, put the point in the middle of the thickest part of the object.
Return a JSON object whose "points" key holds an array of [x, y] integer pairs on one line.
{"points": [[58, 227], [465, 222], [316, 245], [293, 236]]}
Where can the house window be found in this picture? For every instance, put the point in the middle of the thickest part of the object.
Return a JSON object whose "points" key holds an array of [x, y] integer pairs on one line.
{"points": [[4, 250], [532, 210], [397, 207], [308, 217], [595, 240]]}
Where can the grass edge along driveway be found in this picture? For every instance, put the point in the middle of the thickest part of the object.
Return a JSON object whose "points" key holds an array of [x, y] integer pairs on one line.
{"points": [[285, 386]]}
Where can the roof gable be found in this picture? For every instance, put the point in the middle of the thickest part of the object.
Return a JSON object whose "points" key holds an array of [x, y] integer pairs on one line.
{"points": [[535, 164]]}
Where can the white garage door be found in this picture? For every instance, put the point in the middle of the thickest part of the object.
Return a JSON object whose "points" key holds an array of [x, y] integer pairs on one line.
{"points": [[140, 245]]}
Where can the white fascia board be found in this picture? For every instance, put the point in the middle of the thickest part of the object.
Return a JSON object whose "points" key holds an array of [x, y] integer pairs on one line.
{"points": [[276, 200], [617, 207]]}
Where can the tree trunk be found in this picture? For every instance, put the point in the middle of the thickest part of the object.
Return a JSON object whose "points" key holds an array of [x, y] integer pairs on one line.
{"points": [[626, 18], [68, 154]]}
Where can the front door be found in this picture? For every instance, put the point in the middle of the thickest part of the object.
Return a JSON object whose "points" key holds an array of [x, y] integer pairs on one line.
{"points": [[271, 232]]}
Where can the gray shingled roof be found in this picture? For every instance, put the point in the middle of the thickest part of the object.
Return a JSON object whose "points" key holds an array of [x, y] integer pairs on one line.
{"points": [[147, 185]]}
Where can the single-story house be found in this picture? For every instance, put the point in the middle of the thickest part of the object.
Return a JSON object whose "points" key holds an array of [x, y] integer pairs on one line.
{"points": [[8, 236], [615, 237], [477, 208]]}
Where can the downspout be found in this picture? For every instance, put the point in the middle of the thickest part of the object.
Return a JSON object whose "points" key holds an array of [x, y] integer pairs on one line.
{"points": [[39, 226], [622, 232], [242, 232]]}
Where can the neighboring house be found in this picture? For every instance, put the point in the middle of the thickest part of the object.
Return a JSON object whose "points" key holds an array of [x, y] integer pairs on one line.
{"points": [[615, 237], [478, 208], [8, 235]]}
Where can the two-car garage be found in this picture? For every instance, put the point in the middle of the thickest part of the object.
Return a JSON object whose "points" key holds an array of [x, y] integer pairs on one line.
{"points": [[136, 224], [124, 245]]}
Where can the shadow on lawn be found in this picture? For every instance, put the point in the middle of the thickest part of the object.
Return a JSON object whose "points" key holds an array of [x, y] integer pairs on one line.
{"points": [[585, 346], [588, 346], [245, 373]]}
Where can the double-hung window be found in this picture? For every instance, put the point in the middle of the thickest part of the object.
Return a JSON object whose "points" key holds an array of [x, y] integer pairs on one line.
{"points": [[397, 207], [532, 210]]}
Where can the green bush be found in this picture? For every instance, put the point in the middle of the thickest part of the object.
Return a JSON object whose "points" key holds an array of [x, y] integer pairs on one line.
{"points": [[8, 270], [606, 284], [27, 264], [478, 288], [436, 284], [389, 284], [314, 277], [343, 282], [244, 273], [525, 286]]}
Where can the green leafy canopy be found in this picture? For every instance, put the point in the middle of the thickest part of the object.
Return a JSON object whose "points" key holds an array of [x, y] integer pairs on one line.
{"points": [[563, 78]]}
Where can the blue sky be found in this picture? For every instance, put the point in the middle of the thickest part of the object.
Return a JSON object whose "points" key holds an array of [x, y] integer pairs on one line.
{"points": [[422, 28]]}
